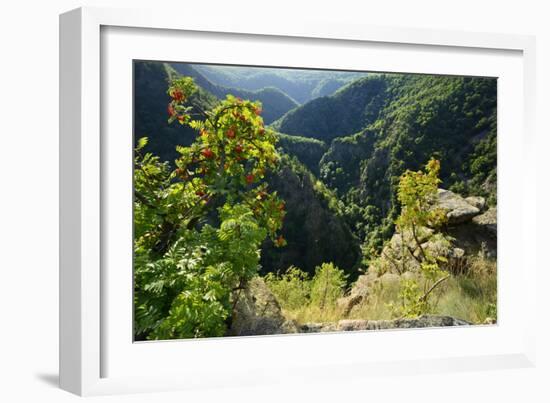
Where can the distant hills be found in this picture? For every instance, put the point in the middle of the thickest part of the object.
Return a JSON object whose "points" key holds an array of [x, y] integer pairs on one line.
{"points": [[275, 102], [300, 85]]}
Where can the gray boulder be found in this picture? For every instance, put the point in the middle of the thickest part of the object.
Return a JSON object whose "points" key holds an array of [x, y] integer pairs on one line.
{"points": [[476, 201], [257, 312], [457, 208], [477, 236], [488, 220]]}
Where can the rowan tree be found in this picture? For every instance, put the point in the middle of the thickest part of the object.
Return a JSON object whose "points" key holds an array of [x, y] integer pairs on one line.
{"points": [[199, 226]]}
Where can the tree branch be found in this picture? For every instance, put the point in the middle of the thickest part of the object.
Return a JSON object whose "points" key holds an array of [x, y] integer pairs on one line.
{"points": [[425, 296], [417, 241]]}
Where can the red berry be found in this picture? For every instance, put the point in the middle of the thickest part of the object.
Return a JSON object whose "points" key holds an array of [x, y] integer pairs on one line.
{"points": [[200, 193], [207, 153], [280, 241], [249, 178], [177, 95], [230, 133], [238, 149], [171, 110], [257, 111]]}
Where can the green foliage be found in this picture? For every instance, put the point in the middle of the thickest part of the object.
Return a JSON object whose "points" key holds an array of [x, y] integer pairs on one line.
{"points": [[187, 292], [292, 289], [417, 193], [306, 298], [198, 229], [412, 303], [202, 302], [327, 285]]}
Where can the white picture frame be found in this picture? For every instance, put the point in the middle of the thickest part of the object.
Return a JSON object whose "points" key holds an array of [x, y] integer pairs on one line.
{"points": [[92, 350]]}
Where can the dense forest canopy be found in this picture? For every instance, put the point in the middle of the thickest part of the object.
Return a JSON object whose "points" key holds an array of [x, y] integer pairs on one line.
{"points": [[343, 143]]}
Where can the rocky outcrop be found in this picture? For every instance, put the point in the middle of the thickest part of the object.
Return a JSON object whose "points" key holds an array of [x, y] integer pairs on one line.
{"points": [[458, 209], [406, 323], [488, 221], [476, 201], [478, 236], [257, 312], [468, 232], [402, 251]]}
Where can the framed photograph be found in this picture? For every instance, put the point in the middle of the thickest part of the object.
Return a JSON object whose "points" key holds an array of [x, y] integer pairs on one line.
{"points": [[243, 202]]}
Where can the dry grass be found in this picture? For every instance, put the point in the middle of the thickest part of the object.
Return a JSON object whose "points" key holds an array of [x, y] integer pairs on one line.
{"points": [[378, 304], [471, 297]]}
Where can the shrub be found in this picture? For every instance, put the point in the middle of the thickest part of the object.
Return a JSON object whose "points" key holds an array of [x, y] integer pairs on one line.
{"points": [[417, 192], [309, 300], [328, 284], [291, 289]]}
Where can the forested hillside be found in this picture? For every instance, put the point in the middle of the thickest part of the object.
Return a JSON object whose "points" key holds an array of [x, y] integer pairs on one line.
{"points": [[379, 126], [346, 112], [367, 179]]}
